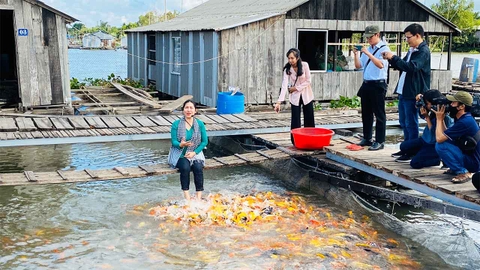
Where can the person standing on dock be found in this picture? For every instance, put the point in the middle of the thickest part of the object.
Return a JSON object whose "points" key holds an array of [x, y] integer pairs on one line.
{"points": [[458, 146], [296, 79], [374, 87], [414, 79], [189, 138]]}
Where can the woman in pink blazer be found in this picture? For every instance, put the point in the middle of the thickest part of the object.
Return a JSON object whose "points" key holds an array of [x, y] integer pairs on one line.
{"points": [[296, 79]]}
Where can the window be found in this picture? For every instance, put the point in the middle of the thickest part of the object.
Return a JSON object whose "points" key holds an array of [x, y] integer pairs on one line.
{"points": [[152, 53], [177, 55], [313, 47]]}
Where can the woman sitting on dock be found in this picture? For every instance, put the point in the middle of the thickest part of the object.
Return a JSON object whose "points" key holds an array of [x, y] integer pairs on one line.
{"points": [[189, 138], [296, 79]]}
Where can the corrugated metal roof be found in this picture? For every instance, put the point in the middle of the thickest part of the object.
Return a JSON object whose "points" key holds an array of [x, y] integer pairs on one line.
{"points": [[102, 35], [223, 14]]}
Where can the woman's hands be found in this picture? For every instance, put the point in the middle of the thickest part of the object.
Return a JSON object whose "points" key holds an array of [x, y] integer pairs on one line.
{"points": [[190, 155], [184, 143], [277, 107], [292, 89]]}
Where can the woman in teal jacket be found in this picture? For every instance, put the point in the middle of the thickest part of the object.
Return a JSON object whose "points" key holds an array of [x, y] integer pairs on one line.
{"points": [[189, 138]]}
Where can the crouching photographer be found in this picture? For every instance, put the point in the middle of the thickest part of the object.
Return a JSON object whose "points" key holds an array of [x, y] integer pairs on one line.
{"points": [[420, 152], [458, 145]]}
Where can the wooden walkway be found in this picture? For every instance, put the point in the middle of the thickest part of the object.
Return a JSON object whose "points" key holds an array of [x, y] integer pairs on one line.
{"points": [[24, 130], [39, 178], [430, 181]]}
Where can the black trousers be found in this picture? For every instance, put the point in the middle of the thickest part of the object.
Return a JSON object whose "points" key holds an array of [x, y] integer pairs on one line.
{"points": [[308, 118], [373, 103], [183, 165]]}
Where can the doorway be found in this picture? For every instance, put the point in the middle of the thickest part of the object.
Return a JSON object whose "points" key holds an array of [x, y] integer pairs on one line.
{"points": [[8, 60]]}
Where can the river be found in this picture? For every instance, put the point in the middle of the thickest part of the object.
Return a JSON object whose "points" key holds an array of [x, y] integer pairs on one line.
{"points": [[143, 223]]}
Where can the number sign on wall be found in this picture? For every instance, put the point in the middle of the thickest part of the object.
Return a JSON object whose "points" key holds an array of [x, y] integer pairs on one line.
{"points": [[23, 32]]}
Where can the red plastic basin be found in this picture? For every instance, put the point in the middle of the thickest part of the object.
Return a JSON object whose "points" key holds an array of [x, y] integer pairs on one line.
{"points": [[310, 138]]}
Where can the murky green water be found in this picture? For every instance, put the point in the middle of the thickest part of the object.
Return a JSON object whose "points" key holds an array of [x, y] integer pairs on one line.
{"points": [[106, 225]]}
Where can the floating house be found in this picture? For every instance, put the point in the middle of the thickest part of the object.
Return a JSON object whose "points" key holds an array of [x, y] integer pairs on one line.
{"points": [[98, 40], [225, 43], [124, 42], [33, 54]]}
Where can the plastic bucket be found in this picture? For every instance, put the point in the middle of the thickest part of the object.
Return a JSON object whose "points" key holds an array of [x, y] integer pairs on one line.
{"points": [[469, 70], [311, 138], [228, 104]]}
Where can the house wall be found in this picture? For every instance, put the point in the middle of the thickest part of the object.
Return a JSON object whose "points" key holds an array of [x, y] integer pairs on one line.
{"points": [[253, 57], [199, 54], [42, 60], [91, 41]]}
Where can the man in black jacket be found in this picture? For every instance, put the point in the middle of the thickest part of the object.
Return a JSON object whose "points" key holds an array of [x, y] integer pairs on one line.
{"points": [[414, 79]]}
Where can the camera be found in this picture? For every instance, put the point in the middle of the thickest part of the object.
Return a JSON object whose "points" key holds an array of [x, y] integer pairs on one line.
{"points": [[440, 101], [420, 103]]}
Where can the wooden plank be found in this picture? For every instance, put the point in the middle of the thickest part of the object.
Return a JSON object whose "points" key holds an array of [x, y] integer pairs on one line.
{"points": [[62, 175], [218, 119], [8, 124], [128, 121], [25, 124], [169, 108], [147, 169], [30, 176], [245, 117], [243, 158], [122, 171], [232, 118], [205, 119], [95, 122], [145, 101], [78, 122], [144, 121], [43, 123], [170, 118], [112, 122], [159, 120], [263, 154], [60, 123], [92, 174]]}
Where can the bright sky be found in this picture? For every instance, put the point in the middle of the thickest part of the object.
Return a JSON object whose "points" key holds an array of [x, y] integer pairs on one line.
{"points": [[117, 12]]}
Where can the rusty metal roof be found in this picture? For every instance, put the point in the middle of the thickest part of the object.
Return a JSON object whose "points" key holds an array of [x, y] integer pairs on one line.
{"points": [[223, 14]]}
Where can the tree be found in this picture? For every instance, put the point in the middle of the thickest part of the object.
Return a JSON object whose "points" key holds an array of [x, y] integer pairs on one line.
{"points": [[461, 13], [152, 17]]}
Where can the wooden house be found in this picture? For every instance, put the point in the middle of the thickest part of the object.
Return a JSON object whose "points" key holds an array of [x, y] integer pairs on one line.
{"points": [[33, 54], [225, 43]]}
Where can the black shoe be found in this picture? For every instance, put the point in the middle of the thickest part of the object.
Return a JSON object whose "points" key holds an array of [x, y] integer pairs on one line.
{"points": [[397, 154], [364, 142], [376, 146], [404, 159]]}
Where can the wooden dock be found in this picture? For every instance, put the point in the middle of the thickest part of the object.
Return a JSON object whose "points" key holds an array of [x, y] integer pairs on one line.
{"points": [[25, 130], [87, 175], [431, 181]]}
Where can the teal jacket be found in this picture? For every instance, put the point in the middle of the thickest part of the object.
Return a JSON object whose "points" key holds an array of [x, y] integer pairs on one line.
{"points": [[189, 134]]}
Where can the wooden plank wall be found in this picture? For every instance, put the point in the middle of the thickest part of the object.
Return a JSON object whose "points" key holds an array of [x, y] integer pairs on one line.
{"points": [[42, 60], [377, 10], [253, 58]]}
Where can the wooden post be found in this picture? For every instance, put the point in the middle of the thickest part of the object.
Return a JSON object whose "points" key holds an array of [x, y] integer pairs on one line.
{"points": [[335, 50], [399, 46], [450, 44]]}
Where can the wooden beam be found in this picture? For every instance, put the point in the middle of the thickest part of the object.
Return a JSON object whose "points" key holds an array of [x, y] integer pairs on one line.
{"points": [[62, 175], [169, 108], [30, 176], [122, 171], [145, 101], [92, 174]]}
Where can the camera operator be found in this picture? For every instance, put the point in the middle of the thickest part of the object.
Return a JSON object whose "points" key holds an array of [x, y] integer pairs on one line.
{"points": [[420, 152], [457, 146]]}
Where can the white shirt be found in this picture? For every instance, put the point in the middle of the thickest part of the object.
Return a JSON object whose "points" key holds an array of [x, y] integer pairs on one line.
{"points": [[401, 81], [372, 72]]}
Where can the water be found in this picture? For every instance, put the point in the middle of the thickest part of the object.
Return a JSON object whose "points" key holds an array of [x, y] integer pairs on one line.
{"points": [[97, 63], [105, 225]]}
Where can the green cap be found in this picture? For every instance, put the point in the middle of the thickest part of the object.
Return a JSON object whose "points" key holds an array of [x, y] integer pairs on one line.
{"points": [[371, 30], [462, 97]]}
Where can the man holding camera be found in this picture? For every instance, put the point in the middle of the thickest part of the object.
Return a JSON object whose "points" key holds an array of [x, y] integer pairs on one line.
{"points": [[458, 145], [420, 152]]}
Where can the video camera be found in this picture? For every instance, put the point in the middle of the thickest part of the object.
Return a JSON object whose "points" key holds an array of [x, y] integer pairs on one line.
{"points": [[440, 101]]}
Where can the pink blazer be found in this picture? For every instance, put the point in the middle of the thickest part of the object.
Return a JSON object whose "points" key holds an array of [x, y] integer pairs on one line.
{"points": [[303, 86]]}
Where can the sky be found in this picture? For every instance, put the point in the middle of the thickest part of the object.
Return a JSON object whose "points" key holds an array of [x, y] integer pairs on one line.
{"points": [[117, 12]]}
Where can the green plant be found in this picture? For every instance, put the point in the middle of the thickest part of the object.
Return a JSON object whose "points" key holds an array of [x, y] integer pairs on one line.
{"points": [[393, 103], [76, 84], [343, 102]]}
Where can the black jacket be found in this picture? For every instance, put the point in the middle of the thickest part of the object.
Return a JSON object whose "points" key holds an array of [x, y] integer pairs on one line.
{"points": [[417, 80]]}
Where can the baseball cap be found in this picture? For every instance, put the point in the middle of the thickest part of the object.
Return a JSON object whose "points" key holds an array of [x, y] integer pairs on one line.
{"points": [[462, 97], [371, 30]]}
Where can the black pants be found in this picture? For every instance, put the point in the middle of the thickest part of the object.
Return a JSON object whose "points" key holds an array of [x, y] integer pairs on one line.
{"points": [[373, 103], [308, 118], [183, 165]]}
